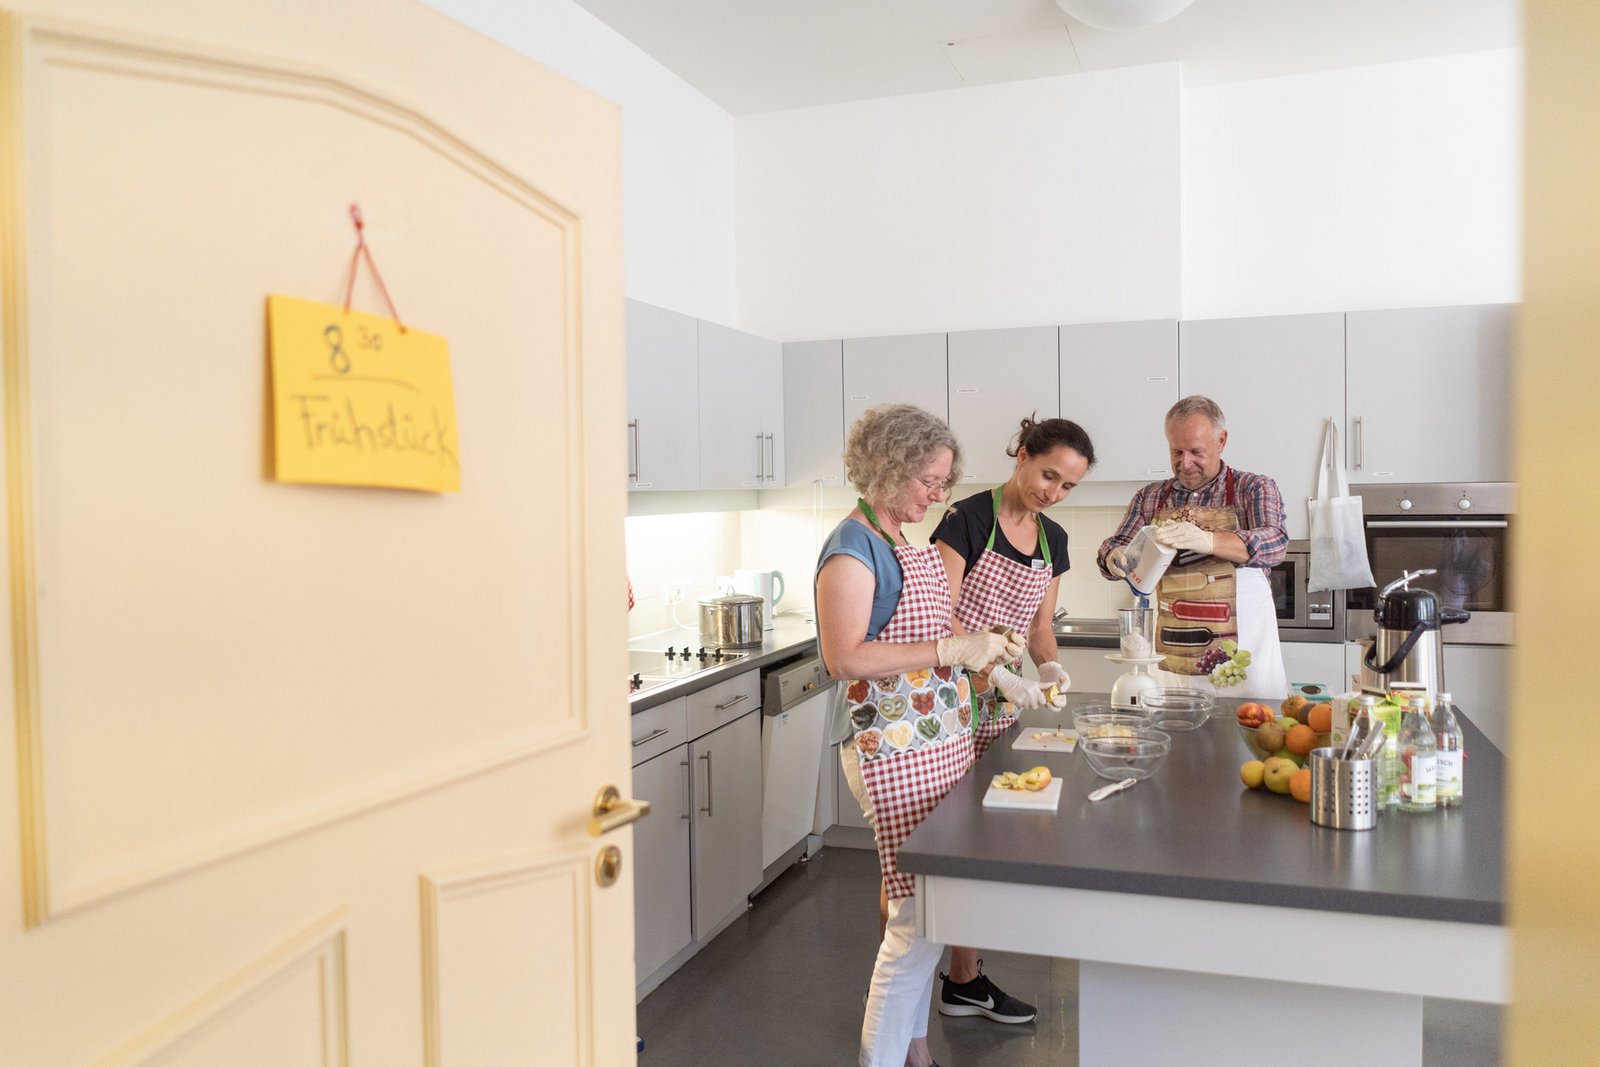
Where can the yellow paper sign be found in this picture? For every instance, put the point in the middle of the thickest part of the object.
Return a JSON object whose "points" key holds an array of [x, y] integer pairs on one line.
{"points": [[356, 401]]}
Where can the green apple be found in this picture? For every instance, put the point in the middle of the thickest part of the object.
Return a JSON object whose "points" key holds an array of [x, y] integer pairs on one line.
{"points": [[1277, 772]]}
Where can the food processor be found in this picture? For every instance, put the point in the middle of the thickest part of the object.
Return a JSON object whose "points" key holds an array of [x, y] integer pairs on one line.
{"points": [[1136, 629]]}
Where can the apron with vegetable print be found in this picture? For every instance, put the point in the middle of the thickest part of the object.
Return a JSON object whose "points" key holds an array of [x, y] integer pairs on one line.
{"points": [[1001, 591], [913, 731], [1203, 601]]}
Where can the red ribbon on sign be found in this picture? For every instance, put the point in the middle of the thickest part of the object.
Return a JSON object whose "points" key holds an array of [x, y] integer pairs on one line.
{"points": [[361, 251]]}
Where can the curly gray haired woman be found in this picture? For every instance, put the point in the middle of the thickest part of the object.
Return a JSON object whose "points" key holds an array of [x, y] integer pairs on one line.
{"points": [[890, 445]]}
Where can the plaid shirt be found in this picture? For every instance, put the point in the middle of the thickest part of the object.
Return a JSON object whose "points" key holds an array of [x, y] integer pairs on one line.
{"points": [[1257, 503]]}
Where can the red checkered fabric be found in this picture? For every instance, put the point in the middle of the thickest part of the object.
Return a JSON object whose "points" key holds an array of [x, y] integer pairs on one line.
{"points": [[923, 613], [904, 789], [995, 591]]}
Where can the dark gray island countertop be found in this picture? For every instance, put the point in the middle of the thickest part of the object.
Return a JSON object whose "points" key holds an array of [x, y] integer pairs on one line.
{"points": [[1194, 831]]}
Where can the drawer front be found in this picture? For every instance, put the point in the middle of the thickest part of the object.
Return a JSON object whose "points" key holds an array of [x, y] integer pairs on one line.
{"points": [[723, 703], [659, 728]]}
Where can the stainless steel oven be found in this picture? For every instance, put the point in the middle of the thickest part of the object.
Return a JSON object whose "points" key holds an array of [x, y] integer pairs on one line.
{"points": [[1462, 530], [1304, 615]]}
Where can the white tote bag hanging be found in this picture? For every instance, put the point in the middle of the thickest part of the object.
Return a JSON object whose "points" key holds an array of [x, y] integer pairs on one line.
{"points": [[1338, 536]]}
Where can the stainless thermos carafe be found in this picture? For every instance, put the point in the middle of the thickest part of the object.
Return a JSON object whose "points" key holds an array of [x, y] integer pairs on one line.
{"points": [[1408, 647]]}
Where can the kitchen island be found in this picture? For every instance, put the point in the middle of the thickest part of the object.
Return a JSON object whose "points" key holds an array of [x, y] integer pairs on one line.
{"points": [[1211, 919]]}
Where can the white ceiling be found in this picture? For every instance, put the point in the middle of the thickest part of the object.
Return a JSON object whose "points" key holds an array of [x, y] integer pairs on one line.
{"points": [[766, 55]]}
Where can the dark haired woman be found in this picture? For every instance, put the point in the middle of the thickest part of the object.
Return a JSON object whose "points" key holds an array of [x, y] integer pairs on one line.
{"points": [[1005, 560]]}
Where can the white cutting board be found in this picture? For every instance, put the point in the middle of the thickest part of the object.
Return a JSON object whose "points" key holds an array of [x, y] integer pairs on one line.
{"points": [[1050, 741], [1044, 799]]}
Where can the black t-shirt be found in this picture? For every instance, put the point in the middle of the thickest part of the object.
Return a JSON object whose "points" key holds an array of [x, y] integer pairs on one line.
{"points": [[966, 527]]}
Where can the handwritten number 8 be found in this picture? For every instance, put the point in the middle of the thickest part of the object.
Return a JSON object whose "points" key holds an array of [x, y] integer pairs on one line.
{"points": [[338, 358]]}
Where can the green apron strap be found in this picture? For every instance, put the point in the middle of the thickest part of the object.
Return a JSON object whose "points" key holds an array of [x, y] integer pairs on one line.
{"points": [[1044, 542], [866, 509]]}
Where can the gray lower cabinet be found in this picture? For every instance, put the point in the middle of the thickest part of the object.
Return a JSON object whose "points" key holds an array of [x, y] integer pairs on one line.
{"points": [[661, 896], [1117, 381], [1278, 379], [895, 370], [998, 378], [813, 413], [1427, 393], [725, 769]]}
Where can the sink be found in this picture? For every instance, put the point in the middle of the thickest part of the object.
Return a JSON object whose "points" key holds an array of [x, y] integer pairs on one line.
{"points": [[1099, 627]]}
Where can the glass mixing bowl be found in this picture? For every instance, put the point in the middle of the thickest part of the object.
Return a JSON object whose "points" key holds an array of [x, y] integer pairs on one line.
{"points": [[1137, 754], [1176, 709]]}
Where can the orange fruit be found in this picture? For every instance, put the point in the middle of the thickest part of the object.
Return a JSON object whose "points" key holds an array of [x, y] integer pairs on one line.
{"points": [[1300, 785], [1293, 707], [1320, 718], [1300, 739]]}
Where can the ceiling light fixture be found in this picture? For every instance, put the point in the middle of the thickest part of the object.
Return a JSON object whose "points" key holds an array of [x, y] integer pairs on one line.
{"points": [[1122, 14]]}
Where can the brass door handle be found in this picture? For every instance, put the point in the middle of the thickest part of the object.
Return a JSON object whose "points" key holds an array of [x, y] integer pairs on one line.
{"points": [[612, 811]]}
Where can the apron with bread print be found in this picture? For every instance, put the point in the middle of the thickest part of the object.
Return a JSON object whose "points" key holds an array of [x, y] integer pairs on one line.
{"points": [[1003, 592], [1203, 601], [913, 731]]}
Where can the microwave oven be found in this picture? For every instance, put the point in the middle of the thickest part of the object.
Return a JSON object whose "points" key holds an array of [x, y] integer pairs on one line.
{"points": [[1302, 614]]}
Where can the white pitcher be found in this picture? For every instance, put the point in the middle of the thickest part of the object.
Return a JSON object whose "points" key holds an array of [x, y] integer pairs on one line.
{"points": [[761, 583]]}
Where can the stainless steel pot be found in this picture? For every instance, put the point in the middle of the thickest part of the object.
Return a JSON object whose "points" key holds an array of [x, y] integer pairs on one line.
{"points": [[732, 621]]}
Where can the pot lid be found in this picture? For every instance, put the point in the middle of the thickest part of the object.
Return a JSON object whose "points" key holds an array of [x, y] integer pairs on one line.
{"points": [[733, 598]]}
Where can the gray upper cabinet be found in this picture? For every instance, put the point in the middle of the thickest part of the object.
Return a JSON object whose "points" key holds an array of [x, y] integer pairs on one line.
{"points": [[813, 413], [663, 399], [895, 370], [1429, 394], [1117, 381], [998, 378], [1277, 380], [741, 409]]}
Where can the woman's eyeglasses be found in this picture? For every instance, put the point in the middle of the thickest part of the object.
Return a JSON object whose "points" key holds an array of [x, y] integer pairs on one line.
{"points": [[936, 485]]}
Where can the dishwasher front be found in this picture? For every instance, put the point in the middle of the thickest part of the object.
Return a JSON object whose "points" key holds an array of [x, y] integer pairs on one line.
{"points": [[796, 699]]}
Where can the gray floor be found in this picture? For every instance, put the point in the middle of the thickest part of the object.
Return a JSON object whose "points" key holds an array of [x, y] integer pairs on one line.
{"points": [[782, 987]]}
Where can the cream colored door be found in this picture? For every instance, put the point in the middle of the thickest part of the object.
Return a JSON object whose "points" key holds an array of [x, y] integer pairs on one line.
{"points": [[302, 774]]}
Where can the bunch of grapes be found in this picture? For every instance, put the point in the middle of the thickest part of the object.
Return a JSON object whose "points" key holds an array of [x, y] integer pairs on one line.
{"points": [[1226, 665]]}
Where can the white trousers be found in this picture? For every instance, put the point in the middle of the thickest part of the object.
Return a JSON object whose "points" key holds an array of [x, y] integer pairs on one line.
{"points": [[902, 977]]}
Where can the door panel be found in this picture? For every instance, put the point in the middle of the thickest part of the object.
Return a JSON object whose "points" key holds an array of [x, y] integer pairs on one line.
{"points": [[998, 378], [895, 370], [1117, 381], [813, 412], [241, 703]]}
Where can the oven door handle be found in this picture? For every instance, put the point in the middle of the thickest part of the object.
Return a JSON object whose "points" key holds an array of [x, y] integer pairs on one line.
{"points": [[1438, 524]]}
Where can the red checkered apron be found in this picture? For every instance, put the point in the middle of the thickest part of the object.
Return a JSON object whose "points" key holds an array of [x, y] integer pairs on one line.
{"points": [[913, 731], [995, 591]]}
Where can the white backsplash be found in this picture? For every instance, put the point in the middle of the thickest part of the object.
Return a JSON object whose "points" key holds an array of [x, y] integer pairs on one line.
{"points": [[785, 535]]}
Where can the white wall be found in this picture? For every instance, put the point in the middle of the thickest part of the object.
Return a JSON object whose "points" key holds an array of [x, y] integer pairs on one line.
{"points": [[1387, 186], [677, 150], [1054, 200]]}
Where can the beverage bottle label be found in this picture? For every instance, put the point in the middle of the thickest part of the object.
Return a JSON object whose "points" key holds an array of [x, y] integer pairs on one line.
{"points": [[1448, 769], [1421, 785]]}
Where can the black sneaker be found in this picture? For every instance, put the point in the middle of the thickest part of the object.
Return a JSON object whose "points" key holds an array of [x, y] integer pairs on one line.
{"points": [[982, 997]]}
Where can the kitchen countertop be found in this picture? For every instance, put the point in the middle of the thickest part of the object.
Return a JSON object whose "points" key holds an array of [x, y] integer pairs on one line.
{"points": [[1194, 831], [791, 635]]}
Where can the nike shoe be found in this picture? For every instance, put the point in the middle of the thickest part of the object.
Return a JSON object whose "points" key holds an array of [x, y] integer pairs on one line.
{"points": [[982, 997]]}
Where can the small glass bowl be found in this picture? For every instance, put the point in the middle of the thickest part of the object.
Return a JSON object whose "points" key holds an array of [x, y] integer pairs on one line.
{"points": [[1175, 708], [1101, 720], [1135, 756]]}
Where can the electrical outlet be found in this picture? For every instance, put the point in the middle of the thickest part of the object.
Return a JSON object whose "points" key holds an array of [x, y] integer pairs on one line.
{"points": [[675, 592]]}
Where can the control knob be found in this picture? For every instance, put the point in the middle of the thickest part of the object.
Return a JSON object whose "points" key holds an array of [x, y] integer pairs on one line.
{"points": [[1464, 504], [1405, 505]]}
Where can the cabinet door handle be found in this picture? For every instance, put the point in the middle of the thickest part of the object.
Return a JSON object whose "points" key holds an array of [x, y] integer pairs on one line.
{"points": [[761, 456], [707, 808], [772, 458], [688, 787], [633, 424], [735, 700], [651, 736], [1359, 443]]}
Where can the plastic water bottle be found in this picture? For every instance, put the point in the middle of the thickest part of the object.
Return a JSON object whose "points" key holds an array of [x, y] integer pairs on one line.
{"points": [[1452, 753], [1418, 758]]}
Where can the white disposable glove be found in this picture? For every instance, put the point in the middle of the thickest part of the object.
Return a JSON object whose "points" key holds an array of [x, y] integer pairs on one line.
{"points": [[974, 651], [1053, 673], [1185, 537], [1019, 691], [1015, 647], [1117, 562]]}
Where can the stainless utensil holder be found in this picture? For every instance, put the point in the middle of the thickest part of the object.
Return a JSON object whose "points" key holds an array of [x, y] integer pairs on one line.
{"points": [[1344, 792]]}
